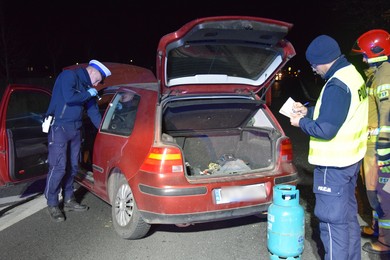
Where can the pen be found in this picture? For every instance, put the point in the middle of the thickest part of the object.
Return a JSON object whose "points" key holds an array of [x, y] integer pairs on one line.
{"points": [[307, 103]]}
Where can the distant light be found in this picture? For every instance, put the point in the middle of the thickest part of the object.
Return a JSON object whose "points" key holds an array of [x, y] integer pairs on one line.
{"points": [[279, 76]]}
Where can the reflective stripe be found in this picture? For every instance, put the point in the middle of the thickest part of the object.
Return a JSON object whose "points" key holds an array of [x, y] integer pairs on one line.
{"points": [[383, 167], [377, 59], [383, 152], [384, 223], [385, 129], [382, 88]]}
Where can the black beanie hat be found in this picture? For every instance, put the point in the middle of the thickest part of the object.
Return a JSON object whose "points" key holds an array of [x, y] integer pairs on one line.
{"points": [[322, 50]]}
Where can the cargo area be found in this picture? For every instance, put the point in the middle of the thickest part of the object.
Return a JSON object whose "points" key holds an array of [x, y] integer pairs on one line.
{"points": [[221, 138]]}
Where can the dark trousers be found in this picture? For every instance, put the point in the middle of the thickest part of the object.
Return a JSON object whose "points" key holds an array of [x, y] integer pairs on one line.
{"points": [[384, 216], [64, 153], [336, 209]]}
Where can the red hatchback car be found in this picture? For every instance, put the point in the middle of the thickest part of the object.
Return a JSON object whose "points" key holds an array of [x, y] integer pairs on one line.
{"points": [[195, 143]]}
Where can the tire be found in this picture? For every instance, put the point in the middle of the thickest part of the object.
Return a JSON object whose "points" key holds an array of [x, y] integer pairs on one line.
{"points": [[126, 218]]}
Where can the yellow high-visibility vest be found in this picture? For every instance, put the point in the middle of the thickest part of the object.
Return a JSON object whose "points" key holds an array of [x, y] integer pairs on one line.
{"points": [[350, 143]]}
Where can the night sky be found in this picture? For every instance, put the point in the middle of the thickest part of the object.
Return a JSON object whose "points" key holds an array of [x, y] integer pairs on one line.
{"points": [[61, 33]]}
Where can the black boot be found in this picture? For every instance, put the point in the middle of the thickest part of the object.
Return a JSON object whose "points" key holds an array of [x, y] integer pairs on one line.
{"points": [[73, 205], [56, 214], [370, 231]]}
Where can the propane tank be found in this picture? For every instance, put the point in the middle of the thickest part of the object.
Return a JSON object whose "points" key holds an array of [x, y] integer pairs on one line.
{"points": [[286, 224]]}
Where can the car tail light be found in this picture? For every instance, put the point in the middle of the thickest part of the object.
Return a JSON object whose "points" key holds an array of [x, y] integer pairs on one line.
{"points": [[163, 160], [286, 150]]}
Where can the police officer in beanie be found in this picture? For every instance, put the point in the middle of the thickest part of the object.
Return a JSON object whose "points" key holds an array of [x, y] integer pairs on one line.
{"points": [[337, 128], [72, 93]]}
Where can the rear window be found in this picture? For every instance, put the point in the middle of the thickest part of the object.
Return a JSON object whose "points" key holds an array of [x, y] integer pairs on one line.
{"points": [[225, 59]]}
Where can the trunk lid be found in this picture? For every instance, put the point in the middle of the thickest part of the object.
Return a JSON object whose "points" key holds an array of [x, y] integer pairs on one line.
{"points": [[226, 54]]}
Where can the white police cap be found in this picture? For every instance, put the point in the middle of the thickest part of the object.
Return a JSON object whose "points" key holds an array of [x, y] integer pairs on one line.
{"points": [[100, 67]]}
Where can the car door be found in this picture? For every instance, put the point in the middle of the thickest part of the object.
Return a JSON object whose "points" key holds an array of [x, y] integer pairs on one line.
{"points": [[23, 145]]}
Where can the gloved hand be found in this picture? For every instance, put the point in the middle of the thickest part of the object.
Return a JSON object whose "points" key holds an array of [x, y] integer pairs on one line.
{"points": [[93, 92], [119, 106], [383, 153]]}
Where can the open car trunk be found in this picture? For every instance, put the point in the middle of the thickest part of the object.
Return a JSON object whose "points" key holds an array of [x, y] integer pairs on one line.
{"points": [[221, 136]]}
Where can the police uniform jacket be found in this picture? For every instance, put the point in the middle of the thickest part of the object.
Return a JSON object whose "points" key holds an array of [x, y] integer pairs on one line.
{"points": [[70, 97]]}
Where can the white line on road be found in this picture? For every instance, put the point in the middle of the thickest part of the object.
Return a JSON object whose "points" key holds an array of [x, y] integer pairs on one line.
{"points": [[22, 211], [14, 199]]}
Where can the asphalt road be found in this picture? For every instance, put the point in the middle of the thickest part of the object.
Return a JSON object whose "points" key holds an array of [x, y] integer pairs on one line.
{"points": [[26, 231]]}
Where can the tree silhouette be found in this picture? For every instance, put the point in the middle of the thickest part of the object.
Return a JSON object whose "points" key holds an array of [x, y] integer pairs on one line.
{"points": [[12, 46], [359, 16]]}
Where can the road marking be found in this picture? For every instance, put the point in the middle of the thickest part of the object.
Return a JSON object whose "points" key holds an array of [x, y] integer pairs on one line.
{"points": [[13, 200], [16, 214]]}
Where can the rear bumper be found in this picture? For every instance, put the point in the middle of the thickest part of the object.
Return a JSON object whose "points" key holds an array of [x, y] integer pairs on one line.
{"points": [[203, 217], [190, 205], [202, 190]]}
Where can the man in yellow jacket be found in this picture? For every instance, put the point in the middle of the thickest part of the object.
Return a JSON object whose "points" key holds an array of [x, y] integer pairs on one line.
{"points": [[337, 126]]}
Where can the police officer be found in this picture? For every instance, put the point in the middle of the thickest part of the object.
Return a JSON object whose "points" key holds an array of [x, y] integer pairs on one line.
{"points": [[74, 91], [374, 45], [337, 127]]}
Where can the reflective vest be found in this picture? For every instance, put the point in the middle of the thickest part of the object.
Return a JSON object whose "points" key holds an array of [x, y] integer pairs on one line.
{"points": [[350, 143]]}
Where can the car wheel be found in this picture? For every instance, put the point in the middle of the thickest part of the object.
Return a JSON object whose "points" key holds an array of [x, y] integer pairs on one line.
{"points": [[127, 220]]}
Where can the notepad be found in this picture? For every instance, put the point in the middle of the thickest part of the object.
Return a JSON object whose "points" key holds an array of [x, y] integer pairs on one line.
{"points": [[287, 107]]}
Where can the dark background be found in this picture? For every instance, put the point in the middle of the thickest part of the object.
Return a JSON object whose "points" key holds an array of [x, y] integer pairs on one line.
{"points": [[39, 38]]}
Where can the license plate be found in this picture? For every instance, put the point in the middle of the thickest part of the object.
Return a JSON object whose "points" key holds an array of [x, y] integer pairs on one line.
{"points": [[239, 193]]}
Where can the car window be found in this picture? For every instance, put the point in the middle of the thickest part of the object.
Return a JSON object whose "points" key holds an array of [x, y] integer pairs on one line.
{"points": [[121, 114], [104, 102], [260, 119], [234, 61], [26, 109]]}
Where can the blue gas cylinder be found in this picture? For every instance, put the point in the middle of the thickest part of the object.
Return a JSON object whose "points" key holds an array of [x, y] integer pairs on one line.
{"points": [[286, 224]]}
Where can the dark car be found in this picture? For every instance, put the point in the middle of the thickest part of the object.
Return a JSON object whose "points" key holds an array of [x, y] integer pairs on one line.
{"points": [[197, 142]]}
